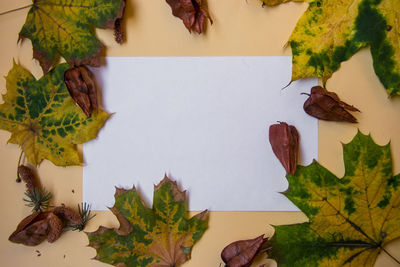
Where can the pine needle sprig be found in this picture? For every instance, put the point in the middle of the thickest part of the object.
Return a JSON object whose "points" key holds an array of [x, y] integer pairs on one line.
{"points": [[85, 214], [37, 200]]}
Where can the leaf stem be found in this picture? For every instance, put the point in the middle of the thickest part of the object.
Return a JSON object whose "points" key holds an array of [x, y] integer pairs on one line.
{"points": [[390, 255], [19, 162], [16, 9]]}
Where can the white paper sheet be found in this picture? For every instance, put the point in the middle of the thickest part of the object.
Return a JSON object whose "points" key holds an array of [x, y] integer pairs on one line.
{"points": [[204, 122]]}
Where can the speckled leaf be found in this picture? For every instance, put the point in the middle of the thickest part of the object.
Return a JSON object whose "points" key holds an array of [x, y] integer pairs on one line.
{"points": [[156, 237], [67, 28], [350, 219], [44, 119], [331, 31]]}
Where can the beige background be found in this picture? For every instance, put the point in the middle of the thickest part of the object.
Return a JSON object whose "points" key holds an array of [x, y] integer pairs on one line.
{"points": [[240, 28]]}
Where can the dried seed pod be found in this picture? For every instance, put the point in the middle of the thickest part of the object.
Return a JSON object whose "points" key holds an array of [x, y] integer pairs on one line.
{"points": [[68, 215], [284, 140], [55, 227], [242, 253], [192, 12], [31, 231], [326, 105], [82, 88], [28, 177]]}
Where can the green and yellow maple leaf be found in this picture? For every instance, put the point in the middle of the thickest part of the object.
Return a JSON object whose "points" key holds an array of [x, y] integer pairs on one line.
{"points": [[44, 119], [161, 236], [66, 28], [350, 219], [331, 31]]}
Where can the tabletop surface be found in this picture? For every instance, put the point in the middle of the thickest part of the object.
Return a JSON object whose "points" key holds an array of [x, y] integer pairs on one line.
{"points": [[241, 28]]}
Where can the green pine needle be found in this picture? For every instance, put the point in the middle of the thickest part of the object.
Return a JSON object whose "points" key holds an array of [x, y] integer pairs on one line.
{"points": [[37, 200], [86, 216]]}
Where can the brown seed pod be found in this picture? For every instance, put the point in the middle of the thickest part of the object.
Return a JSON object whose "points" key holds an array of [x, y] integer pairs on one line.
{"points": [[82, 88], [31, 231], [55, 227], [27, 175], [68, 215], [242, 253], [192, 12], [284, 140], [326, 105]]}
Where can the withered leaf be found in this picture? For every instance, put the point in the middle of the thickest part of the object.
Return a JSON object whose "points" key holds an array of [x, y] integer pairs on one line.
{"points": [[284, 140], [192, 12], [82, 88], [326, 105], [242, 253]]}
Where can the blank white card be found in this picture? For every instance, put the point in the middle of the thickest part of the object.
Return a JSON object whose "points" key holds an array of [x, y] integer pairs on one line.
{"points": [[204, 122]]}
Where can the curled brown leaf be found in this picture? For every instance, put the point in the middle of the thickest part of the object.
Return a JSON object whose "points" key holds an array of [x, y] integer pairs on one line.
{"points": [[82, 88], [242, 253], [284, 140], [326, 105], [192, 12]]}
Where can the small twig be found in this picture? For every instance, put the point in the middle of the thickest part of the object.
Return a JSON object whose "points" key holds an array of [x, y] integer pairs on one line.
{"points": [[19, 162], [387, 252], [16, 9]]}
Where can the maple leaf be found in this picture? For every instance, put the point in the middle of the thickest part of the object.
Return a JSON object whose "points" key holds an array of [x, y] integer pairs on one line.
{"points": [[161, 236], [66, 28], [350, 219], [44, 119], [331, 31]]}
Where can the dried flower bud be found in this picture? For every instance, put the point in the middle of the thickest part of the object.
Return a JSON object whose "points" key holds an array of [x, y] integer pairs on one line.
{"points": [[326, 105], [82, 88], [242, 253], [118, 32], [28, 177], [67, 215], [192, 12], [284, 140]]}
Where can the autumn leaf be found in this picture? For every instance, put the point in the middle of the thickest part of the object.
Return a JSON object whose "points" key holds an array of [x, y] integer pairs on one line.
{"points": [[44, 119], [350, 219], [156, 237], [331, 31], [66, 28]]}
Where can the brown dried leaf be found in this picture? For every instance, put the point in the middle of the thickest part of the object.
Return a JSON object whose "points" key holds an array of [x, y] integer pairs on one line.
{"points": [[192, 12], [284, 140], [82, 88], [242, 253], [326, 105]]}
